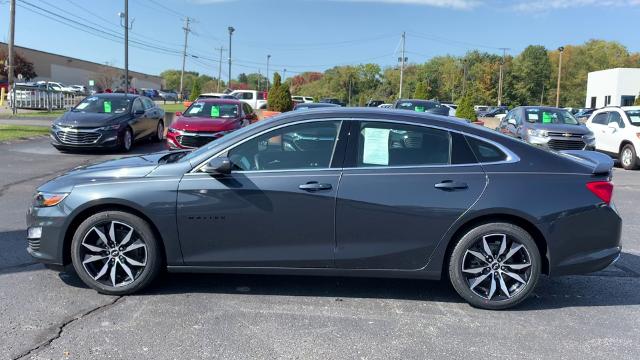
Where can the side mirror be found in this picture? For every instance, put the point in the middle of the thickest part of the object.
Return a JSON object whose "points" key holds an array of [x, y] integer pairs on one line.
{"points": [[512, 122], [178, 113], [218, 166]]}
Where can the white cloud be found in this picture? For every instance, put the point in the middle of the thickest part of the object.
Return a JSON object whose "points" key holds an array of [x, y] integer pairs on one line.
{"points": [[453, 4], [542, 5]]}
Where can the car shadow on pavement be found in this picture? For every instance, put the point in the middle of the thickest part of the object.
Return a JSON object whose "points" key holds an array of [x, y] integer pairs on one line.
{"points": [[617, 285]]}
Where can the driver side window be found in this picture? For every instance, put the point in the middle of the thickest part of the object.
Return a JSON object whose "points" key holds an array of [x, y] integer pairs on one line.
{"points": [[137, 106], [301, 146]]}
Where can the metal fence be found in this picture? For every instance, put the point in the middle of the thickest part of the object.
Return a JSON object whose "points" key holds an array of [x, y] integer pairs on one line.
{"points": [[41, 98]]}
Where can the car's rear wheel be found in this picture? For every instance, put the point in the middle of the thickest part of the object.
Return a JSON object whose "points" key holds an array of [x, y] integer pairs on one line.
{"points": [[115, 253], [628, 158], [159, 135], [495, 266]]}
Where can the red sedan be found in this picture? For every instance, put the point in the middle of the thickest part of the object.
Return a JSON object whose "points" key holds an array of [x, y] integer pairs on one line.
{"points": [[206, 120]]}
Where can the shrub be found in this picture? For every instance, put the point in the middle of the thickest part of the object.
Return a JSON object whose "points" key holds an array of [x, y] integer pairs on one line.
{"points": [[637, 102], [421, 91], [279, 98], [465, 109], [195, 90]]}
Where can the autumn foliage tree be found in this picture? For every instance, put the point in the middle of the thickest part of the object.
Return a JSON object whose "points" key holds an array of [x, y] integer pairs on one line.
{"points": [[22, 66]]}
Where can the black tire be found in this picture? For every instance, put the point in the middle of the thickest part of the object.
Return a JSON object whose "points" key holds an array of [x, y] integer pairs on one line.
{"points": [[142, 276], [159, 130], [126, 146], [630, 163], [493, 234]]}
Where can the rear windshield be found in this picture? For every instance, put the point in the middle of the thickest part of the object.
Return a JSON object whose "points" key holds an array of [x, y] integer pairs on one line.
{"points": [[550, 116], [211, 109], [419, 106], [634, 117]]}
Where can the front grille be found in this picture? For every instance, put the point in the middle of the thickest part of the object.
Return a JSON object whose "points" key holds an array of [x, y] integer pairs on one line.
{"points": [[194, 141], [34, 244], [556, 144], [78, 137], [565, 135]]}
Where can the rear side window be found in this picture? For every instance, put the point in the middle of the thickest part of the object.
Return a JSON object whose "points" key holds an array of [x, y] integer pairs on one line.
{"points": [[485, 152], [614, 117], [600, 118], [390, 144]]}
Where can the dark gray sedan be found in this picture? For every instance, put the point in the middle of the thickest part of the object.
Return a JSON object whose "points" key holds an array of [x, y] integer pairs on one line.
{"points": [[349, 192]]}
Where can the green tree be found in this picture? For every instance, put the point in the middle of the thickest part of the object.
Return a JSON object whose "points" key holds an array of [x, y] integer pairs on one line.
{"points": [[530, 76], [195, 90], [637, 102], [465, 109], [421, 91], [279, 96]]}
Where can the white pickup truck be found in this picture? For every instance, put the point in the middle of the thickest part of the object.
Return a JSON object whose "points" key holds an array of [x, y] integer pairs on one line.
{"points": [[255, 99]]}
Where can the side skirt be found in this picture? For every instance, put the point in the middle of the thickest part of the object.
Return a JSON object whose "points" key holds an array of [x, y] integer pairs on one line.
{"points": [[398, 274]]}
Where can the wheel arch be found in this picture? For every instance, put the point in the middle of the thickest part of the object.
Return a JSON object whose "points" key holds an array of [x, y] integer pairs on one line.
{"points": [[624, 143], [97, 208], [517, 220]]}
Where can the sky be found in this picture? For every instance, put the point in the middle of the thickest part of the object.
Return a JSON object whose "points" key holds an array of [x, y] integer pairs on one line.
{"points": [[310, 35]]}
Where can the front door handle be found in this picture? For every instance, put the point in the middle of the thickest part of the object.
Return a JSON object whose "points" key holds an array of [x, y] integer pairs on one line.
{"points": [[451, 185], [314, 186]]}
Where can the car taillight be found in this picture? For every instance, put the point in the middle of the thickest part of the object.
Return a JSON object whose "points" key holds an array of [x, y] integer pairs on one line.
{"points": [[602, 189]]}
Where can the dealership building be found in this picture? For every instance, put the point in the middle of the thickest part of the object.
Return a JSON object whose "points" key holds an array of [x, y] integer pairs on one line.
{"points": [[72, 71], [617, 87]]}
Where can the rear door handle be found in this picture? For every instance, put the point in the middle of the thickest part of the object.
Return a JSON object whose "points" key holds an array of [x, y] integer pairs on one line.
{"points": [[451, 185], [314, 186]]}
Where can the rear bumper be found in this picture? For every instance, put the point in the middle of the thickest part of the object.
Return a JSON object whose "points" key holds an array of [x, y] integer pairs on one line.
{"points": [[585, 242]]}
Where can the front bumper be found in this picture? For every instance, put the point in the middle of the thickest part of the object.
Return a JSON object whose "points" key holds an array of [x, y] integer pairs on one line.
{"points": [[48, 247], [105, 139], [562, 143]]}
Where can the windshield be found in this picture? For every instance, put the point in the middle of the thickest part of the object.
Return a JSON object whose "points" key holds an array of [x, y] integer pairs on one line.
{"points": [[214, 143], [550, 116], [419, 106], [103, 105], [212, 110], [634, 116]]}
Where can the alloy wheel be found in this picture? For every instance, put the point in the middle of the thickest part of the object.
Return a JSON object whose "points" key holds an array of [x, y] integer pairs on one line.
{"points": [[160, 131], [113, 253], [496, 267], [627, 157]]}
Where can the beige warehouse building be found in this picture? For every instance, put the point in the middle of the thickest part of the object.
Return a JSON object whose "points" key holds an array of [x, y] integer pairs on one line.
{"points": [[72, 71]]}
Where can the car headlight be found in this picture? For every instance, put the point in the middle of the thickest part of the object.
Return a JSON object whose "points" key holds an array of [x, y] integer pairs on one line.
{"points": [[110, 127], [174, 131], [44, 199], [537, 133]]}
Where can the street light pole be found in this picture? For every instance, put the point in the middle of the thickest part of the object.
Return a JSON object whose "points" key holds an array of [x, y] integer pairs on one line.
{"points": [[268, 58], [561, 50], [184, 54], [231, 30], [10, 62]]}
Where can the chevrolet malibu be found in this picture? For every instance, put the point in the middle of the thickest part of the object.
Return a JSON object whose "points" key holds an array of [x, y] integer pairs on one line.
{"points": [[208, 119], [347, 192]]}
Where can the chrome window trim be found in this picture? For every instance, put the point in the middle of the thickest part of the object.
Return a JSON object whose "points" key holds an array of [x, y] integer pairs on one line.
{"points": [[511, 156]]}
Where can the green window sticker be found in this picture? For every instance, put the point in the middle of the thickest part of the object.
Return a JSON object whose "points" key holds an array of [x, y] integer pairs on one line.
{"points": [[106, 106], [215, 111], [546, 118], [419, 108]]}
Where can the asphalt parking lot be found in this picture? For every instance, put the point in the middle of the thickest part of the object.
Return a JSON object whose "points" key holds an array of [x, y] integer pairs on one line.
{"points": [[45, 314]]}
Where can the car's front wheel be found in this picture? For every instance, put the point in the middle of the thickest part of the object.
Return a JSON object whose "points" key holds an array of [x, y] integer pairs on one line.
{"points": [[495, 266], [115, 253], [628, 158]]}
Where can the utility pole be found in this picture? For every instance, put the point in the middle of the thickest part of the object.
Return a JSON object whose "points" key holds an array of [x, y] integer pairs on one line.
{"points": [[221, 49], [500, 81], [268, 58], [124, 22], [284, 75], [10, 66], [561, 50], [231, 30], [259, 76], [464, 77], [402, 61], [184, 53]]}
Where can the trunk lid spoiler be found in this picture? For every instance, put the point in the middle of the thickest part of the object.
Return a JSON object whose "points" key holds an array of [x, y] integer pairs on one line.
{"points": [[598, 162]]}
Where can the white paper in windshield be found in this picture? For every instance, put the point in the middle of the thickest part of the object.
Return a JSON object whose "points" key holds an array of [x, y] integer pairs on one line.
{"points": [[196, 108], [376, 146]]}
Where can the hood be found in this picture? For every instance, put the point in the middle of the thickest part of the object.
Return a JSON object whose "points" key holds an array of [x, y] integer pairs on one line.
{"points": [[204, 124], [123, 168], [573, 129], [88, 120]]}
